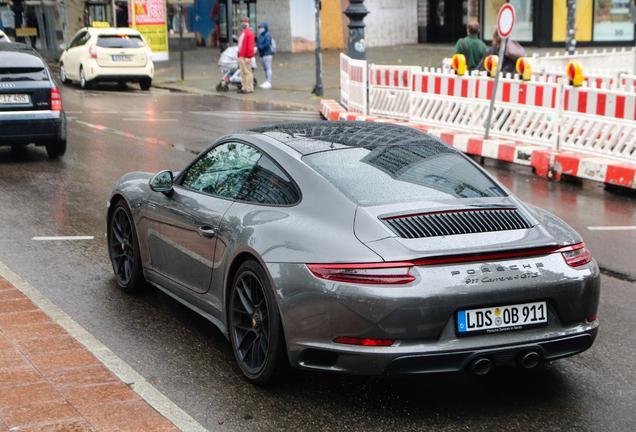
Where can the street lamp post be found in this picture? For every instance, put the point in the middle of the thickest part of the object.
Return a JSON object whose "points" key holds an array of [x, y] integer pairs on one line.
{"points": [[318, 90], [356, 47]]}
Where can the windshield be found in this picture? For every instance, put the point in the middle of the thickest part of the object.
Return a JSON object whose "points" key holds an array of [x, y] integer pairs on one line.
{"points": [[120, 41], [393, 174]]}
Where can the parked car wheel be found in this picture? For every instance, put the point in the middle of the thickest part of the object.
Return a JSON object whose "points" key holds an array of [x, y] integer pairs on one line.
{"points": [[56, 148], [63, 78], [255, 325], [83, 83], [123, 248], [145, 83]]}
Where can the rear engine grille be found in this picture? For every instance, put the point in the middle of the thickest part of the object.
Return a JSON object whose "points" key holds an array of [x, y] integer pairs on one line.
{"points": [[457, 222]]}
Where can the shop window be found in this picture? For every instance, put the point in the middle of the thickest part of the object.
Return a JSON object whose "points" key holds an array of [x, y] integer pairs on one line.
{"points": [[187, 18], [612, 20]]}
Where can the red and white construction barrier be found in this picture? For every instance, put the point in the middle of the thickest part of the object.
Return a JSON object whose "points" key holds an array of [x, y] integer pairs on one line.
{"points": [[353, 84], [546, 162], [389, 90]]}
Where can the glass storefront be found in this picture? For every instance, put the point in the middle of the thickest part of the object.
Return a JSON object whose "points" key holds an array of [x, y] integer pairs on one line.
{"points": [[188, 21], [612, 20]]}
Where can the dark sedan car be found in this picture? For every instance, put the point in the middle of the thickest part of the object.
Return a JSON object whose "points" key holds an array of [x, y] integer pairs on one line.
{"points": [[356, 248], [30, 101]]}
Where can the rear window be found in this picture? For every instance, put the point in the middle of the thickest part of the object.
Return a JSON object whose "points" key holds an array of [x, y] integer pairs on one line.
{"points": [[19, 61], [120, 41], [393, 174]]}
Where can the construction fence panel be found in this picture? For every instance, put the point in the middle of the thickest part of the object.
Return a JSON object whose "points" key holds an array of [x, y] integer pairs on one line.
{"points": [[616, 61], [389, 90], [344, 80], [525, 111]]}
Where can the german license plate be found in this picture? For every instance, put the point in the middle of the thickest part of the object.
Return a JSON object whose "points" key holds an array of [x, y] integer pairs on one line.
{"points": [[502, 318], [14, 99], [122, 58]]}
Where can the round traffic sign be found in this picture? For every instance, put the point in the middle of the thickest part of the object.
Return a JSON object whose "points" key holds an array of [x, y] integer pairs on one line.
{"points": [[506, 20]]}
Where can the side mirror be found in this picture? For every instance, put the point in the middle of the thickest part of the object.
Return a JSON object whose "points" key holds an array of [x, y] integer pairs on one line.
{"points": [[162, 182], [63, 47]]}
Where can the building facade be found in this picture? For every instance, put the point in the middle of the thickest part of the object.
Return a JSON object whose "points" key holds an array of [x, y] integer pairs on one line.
{"points": [[538, 22]]}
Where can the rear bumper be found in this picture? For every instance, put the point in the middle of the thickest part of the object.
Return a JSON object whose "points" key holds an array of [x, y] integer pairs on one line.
{"points": [[95, 73], [421, 316], [38, 127]]}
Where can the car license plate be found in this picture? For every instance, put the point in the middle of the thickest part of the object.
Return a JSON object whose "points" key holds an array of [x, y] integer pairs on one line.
{"points": [[502, 318], [14, 99], [122, 58]]}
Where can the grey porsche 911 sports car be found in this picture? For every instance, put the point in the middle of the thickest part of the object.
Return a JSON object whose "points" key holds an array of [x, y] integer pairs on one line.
{"points": [[355, 247]]}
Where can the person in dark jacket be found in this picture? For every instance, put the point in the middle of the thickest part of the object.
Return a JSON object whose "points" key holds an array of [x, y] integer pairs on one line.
{"points": [[472, 48], [507, 66], [265, 52]]}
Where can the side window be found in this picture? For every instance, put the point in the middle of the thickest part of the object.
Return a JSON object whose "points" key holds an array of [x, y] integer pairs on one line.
{"points": [[267, 184], [85, 38], [223, 170], [77, 40]]}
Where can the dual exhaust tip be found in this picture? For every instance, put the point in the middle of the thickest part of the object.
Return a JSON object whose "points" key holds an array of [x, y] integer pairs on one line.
{"points": [[482, 365]]}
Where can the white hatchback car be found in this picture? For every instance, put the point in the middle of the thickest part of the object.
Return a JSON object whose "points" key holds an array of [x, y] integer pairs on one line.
{"points": [[103, 54], [4, 37]]}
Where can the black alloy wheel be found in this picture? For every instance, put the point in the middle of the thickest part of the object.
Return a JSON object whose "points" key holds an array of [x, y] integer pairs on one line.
{"points": [[123, 248], [255, 325]]}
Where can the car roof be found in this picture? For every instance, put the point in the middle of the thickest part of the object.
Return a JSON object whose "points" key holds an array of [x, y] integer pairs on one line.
{"points": [[112, 31], [312, 137], [19, 48]]}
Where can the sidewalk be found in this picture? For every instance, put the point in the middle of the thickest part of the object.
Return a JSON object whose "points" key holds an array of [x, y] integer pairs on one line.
{"points": [[294, 74], [50, 382]]}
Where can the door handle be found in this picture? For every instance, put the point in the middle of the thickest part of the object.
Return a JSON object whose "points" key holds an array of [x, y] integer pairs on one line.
{"points": [[207, 231]]}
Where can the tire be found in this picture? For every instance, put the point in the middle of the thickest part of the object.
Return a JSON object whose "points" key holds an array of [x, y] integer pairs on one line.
{"points": [[145, 83], [256, 331], [219, 88], [63, 78], [123, 248], [255, 82], [226, 89], [56, 148], [83, 83]]}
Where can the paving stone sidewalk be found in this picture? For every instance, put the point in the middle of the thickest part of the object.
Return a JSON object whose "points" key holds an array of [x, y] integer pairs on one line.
{"points": [[49, 382], [294, 74]]}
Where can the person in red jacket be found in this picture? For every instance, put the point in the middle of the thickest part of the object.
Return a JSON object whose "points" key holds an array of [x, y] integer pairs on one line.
{"points": [[245, 54]]}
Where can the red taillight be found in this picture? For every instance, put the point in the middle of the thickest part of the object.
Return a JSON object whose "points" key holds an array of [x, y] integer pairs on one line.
{"points": [[93, 51], [592, 318], [376, 273], [365, 342], [576, 255], [56, 100]]}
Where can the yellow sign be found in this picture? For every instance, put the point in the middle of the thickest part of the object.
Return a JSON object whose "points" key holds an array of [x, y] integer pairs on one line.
{"points": [[100, 24], [28, 31], [155, 35]]}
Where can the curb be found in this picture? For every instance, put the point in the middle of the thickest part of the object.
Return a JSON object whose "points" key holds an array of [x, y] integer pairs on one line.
{"points": [[546, 163]]}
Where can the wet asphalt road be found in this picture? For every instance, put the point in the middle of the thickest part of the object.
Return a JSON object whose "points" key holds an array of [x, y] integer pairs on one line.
{"points": [[113, 132]]}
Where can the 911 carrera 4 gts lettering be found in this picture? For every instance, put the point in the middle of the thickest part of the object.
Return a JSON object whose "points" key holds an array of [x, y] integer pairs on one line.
{"points": [[487, 279]]}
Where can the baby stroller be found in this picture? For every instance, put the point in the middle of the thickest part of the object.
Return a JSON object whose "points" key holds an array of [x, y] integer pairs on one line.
{"points": [[230, 67]]}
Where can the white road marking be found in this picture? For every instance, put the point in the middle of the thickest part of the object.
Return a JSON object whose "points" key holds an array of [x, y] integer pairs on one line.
{"points": [[139, 112], [173, 112], [611, 228], [73, 112], [148, 120], [105, 112], [58, 238], [182, 420]]}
